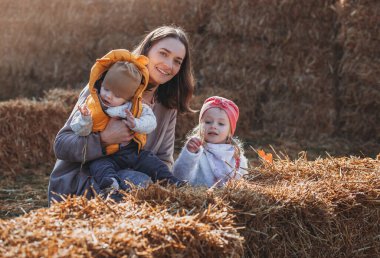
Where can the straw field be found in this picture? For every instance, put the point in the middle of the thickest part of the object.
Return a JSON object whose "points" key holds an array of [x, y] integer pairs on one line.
{"points": [[323, 208], [305, 76]]}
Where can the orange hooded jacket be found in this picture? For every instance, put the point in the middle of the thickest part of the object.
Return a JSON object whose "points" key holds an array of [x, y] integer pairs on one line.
{"points": [[99, 117]]}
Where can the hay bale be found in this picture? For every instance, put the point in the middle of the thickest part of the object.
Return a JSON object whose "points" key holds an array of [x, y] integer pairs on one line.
{"points": [[67, 98], [278, 59], [359, 94], [327, 207], [323, 208], [79, 227], [271, 22], [28, 129], [296, 83], [285, 92]]}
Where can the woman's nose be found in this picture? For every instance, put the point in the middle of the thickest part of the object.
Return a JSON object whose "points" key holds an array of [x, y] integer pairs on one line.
{"points": [[169, 63]]}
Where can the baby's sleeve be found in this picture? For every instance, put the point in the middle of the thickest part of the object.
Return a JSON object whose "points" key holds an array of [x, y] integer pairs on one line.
{"points": [[81, 125], [119, 111], [146, 123]]}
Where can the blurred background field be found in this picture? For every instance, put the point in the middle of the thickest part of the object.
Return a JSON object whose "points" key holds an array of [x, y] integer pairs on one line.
{"points": [[303, 71], [304, 74]]}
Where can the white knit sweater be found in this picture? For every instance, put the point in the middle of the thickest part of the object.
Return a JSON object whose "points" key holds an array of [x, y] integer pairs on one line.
{"points": [[145, 124], [208, 166]]}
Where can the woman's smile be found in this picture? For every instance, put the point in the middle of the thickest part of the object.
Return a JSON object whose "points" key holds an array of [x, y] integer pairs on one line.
{"points": [[162, 71], [165, 59]]}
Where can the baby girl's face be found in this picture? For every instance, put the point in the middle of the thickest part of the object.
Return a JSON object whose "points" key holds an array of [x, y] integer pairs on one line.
{"points": [[109, 99], [215, 125]]}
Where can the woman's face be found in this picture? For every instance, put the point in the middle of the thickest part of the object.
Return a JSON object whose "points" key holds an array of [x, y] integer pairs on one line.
{"points": [[165, 59]]}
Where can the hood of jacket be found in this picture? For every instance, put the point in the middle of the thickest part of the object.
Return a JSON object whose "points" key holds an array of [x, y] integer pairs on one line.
{"points": [[99, 117]]}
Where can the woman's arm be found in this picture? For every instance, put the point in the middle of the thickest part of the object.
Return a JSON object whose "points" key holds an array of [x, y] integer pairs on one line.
{"points": [[71, 147], [166, 149]]}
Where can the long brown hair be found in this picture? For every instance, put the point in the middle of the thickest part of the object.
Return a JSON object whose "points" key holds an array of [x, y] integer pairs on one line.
{"points": [[176, 93]]}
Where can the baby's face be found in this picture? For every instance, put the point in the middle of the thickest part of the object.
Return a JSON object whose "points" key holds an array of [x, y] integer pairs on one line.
{"points": [[215, 125], [109, 99]]}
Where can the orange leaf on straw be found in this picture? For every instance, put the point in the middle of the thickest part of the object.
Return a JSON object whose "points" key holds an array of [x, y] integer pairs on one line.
{"points": [[265, 156]]}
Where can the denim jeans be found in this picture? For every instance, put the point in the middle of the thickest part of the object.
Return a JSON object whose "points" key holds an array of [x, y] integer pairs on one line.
{"points": [[137, 178]]}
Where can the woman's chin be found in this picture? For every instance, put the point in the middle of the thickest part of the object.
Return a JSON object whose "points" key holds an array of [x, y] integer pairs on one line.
{"points": [[160, 79]]}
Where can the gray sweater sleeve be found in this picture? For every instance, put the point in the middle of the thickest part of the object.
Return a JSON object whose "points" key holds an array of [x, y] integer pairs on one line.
{"points": [[186, 164], [166, 149], [72, 147], [146, 123], [81, 125], [119, 111]]}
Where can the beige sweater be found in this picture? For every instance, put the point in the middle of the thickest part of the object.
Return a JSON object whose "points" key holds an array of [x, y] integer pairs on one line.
{"points": [[68, 177]]}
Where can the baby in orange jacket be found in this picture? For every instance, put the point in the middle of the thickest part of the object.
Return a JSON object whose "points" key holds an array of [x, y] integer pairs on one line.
{"points": [[118, 92]]}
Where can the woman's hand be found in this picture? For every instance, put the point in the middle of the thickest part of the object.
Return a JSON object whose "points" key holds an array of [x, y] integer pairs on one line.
{"points": [[194, 144], [116, 132]]}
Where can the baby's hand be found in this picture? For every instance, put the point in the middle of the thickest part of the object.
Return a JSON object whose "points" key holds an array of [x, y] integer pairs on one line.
{"points": [[130, 119], [83, 109], [194, 144]]}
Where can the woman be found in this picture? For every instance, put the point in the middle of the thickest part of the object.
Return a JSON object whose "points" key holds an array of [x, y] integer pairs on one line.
{"points": [[169, 90]]}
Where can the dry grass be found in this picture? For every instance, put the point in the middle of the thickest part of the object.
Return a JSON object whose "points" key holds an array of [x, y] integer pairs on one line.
{"points": [[324, 208], [133, 228], [22, 193]]}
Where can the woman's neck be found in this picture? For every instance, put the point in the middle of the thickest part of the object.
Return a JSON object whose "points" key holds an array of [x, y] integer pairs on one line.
{"points": [[149, 93]]}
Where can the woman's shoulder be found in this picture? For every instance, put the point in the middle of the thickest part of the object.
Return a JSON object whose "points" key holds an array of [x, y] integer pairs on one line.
{"points": [[84, 94], [161, 111]]}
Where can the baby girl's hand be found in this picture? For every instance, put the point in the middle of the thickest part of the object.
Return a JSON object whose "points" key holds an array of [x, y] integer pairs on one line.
{"points": [[83, 109], [129, 119], [194, 144]]}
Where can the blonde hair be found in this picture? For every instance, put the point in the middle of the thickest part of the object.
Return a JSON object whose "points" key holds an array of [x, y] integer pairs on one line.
{"points": [[233, 140]]}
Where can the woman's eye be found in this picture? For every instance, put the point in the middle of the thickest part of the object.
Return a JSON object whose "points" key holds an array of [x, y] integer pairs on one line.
{"points": [[178, 62], [221, 124], [207, 122], [163, 53]]}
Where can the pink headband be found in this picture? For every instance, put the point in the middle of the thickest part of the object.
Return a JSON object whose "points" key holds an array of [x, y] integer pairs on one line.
{"points": [[227, 105]]}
